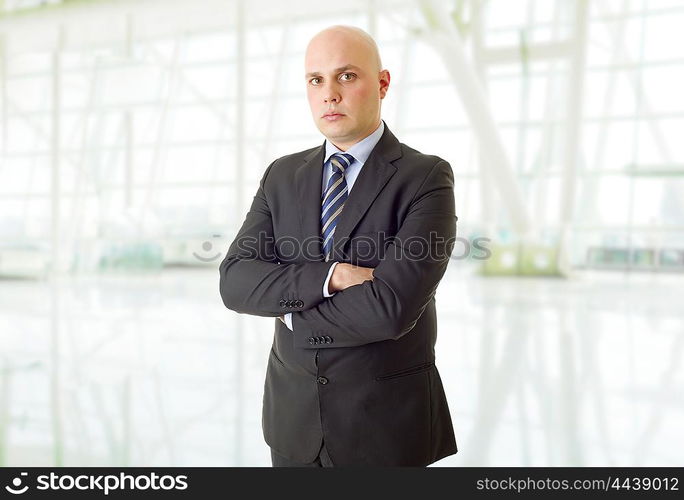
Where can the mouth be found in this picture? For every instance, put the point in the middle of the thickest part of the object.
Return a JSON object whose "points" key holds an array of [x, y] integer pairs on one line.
{"points": [[332, 116]]}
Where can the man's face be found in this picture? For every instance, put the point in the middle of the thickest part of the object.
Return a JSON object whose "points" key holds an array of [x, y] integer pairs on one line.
{"points": [[342, 77]]}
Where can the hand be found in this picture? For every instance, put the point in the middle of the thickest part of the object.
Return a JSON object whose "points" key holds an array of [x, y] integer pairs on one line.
{"points": [[346, 275]]}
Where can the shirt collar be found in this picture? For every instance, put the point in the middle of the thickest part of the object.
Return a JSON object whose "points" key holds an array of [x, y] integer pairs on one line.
{"points": [[361, 150]]}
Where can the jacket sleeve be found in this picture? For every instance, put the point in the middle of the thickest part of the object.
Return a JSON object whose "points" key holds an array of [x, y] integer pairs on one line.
{"points": [[253, 281], [403, 283]]}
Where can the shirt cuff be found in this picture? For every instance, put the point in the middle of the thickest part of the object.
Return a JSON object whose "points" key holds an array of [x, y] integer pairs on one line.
{"points": [[327, 281], [288, 321]]}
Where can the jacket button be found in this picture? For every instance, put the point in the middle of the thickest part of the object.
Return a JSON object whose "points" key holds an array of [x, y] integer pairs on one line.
{"points": [[311, 340], [282, 303], [299, 303], [322, 380], [288, 303], [328, 340]]}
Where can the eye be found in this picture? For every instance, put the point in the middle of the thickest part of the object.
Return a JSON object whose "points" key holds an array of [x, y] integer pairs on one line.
{"points": [[351, 76], [313, 82]]}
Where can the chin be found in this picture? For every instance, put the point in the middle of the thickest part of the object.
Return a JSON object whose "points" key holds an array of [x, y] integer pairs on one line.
{"points": [[338, 128]]}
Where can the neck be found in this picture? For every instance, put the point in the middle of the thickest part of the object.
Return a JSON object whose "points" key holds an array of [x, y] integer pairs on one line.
{"points": [[343, 146]]}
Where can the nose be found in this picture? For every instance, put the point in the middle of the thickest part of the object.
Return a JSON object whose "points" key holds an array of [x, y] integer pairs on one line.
{"points": [[331, 94]]}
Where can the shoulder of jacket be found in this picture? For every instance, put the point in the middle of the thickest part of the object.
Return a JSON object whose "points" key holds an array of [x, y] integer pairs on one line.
{"points": [[283, 163], [418, 159], [294, 158]]}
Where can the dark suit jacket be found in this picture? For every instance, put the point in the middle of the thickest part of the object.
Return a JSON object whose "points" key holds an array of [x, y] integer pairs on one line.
{"points": [[359, 368]]}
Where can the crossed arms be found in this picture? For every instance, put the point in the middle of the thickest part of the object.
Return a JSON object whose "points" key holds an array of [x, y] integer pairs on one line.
{"points": [[385, 307]]}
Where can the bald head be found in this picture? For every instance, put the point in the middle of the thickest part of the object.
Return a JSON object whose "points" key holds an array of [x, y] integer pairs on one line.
{"points": [[345, 84], [348, 35]]}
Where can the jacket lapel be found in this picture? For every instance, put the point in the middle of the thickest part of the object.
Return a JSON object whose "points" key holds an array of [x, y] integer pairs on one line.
{"points": [[308, 182], [374, 175]]}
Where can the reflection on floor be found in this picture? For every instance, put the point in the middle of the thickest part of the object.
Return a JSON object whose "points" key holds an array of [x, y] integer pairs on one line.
{"points": [[154, 371]]}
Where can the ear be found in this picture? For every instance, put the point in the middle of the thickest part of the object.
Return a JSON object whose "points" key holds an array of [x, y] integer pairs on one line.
{"points": [[384, 81]]}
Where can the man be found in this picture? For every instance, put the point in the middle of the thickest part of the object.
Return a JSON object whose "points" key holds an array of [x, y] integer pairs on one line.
{"points": [[346, 244]]}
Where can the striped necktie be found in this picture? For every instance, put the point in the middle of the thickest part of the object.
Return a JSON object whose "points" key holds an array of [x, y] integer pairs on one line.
{"points": [[333, 199]]}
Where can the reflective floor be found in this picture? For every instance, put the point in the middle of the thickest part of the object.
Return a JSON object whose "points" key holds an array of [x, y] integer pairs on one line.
{"points": [[152, 370]]}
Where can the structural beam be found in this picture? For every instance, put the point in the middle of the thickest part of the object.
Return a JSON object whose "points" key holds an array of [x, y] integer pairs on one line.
{"points": [[446, 40]]}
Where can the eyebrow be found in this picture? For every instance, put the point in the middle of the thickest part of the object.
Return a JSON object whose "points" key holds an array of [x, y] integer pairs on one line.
{"points": [[336, 70]]}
